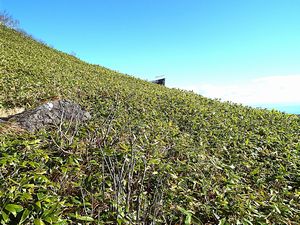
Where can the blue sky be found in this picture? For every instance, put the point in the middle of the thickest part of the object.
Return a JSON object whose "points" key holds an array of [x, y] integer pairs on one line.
{"points": [[245, 51]]}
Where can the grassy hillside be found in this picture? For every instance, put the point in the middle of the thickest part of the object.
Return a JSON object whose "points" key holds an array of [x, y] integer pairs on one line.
{"points": [[150, 155]]}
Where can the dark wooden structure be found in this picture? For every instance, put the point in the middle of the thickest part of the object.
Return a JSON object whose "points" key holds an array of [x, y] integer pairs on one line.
{"points": [[161, 81]]}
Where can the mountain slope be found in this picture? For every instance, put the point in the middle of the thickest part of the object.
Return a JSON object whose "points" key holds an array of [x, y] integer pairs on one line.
{"points": [[149, 155]]}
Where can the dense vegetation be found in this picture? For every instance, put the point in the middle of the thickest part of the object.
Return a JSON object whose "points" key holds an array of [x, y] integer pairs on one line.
{"points": [[149, 155]]}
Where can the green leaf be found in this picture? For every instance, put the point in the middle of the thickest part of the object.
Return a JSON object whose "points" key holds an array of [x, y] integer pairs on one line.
{"points": [[26, 196], [38, 204], [14, 209], [38, 222], [188, 215], [4, 216], [28, 185], [24, 216], [222, 221], [119, 221], [41, 196], [188, 219], [63, 222], [48, 219], [154, 161], [84, 218]]}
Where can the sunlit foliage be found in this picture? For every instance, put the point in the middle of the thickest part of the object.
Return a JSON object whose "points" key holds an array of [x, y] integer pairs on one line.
{"points": [[150, 154]]}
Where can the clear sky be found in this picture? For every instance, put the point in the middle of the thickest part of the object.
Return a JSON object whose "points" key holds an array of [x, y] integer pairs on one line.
{"points": [[245, 51]]}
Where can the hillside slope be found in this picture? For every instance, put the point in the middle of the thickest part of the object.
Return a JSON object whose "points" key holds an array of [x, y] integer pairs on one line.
{"points": [[149, 155]]}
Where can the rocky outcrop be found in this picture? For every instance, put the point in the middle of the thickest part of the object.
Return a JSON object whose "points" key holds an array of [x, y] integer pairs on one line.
{"points": [[51, 113]]}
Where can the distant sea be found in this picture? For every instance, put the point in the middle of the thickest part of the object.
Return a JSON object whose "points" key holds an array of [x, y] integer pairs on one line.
{"points": [[293, 109]]}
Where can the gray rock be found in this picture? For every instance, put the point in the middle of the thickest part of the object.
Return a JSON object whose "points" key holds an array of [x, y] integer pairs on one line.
{"points": [[51, 113]]}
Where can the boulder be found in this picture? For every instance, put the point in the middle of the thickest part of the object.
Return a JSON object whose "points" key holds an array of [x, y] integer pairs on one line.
{"points": [[52, 113]]}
